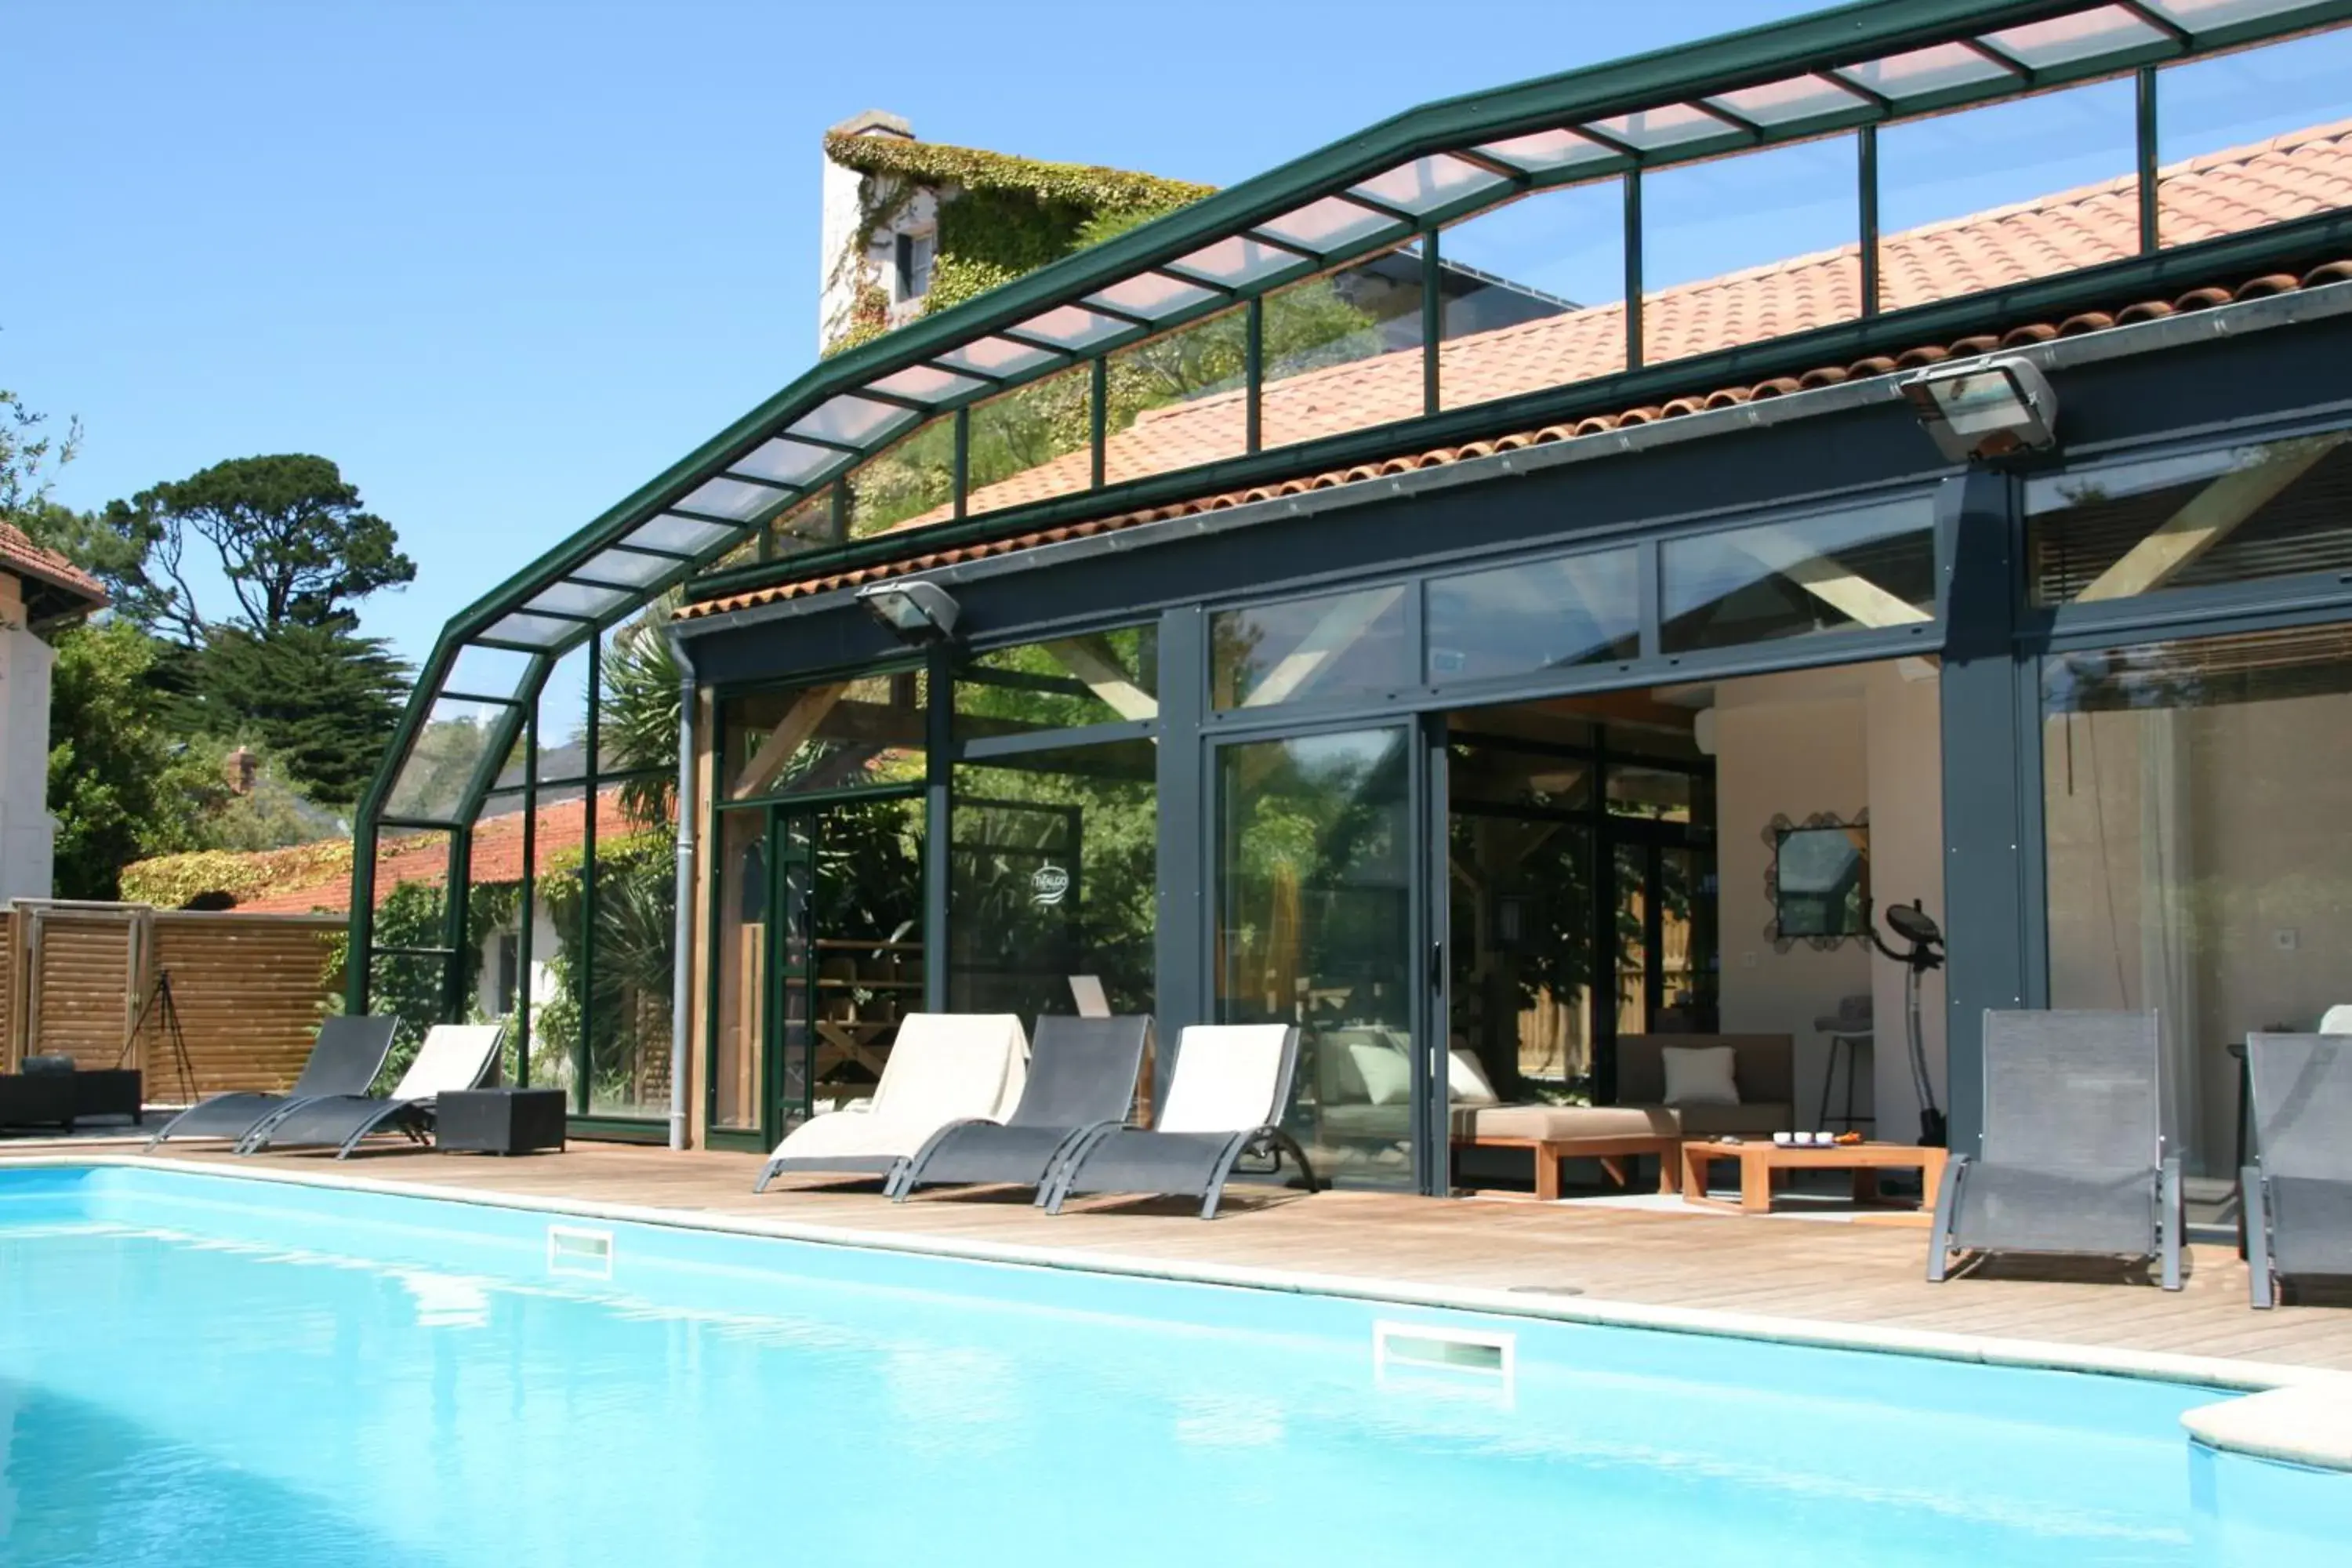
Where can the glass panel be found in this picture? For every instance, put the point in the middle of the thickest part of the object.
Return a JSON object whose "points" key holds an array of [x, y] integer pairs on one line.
{"points": [[1071, 327], [2084, 36], [629, 983], [913, 483], [739, 1012], [1534, 294], [2194, 794], [1427, 184], [1657, 794], [1331, 223], [1483, 773], [998, 356], [732, 498], [633, 567], [2064, 159], [1033, 444], [1917, 73], [2205, 15], [809, 523], [1521, 935], [1531, 616], [854, 421], [563, 738], [1749, 247], [868, 731], [1314, 890], [1785, 102], [456, 737], [1871, 567], [1100, 677], [1237, 260], [1343, 350], [575, 599], [489, 671], [1052, 874], [1545, 150], [787, 462], [679, 535], [866, 914], [1177, 400], [1338, 645], [2230, 514], [1151, 294], [2213, 117], [925, 383], [542, 630], [1668, 125]]}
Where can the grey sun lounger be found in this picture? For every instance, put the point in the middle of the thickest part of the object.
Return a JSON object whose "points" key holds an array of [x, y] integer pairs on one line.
{"points": [[2299, 1191], [1225, 1099], [2073, 1158], [1082, 1074], [344, 1059], [452, 1057]]}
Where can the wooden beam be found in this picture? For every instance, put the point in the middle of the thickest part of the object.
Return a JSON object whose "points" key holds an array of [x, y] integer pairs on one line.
{"points": [[1090, 658], [2209, 517], [792, 732], [1333, 635], [1847, 591]]}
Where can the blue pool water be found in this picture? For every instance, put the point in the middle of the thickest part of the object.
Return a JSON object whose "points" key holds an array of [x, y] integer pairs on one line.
{"points": [[202, 1370]]}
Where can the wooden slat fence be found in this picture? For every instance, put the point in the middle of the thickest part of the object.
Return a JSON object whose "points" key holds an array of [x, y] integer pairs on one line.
{"points": [[88, 980]]}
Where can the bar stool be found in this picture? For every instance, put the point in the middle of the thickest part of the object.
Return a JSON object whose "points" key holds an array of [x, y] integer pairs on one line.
{"points": [[1850, 1027]]}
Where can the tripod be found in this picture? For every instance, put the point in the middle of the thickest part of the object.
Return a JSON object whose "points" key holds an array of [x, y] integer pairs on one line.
{"points": [[158, 1003]]}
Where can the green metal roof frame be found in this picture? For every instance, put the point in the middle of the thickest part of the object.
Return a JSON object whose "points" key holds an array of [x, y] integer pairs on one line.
{"points": [[665, 533]]}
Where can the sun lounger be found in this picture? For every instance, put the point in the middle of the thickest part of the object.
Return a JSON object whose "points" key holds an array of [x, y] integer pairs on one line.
{"points": [[452, 1057], [344, 1059], [2298, 1190], [943, 1068], [1225, 1099], [1082, 1074], [2072, 1157]]}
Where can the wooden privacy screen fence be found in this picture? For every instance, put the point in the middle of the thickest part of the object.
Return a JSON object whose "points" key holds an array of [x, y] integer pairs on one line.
{"points": [[78, 979]]}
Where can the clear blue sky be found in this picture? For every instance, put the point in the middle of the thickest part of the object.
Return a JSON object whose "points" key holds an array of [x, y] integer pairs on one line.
{"points": [[505, 260]]}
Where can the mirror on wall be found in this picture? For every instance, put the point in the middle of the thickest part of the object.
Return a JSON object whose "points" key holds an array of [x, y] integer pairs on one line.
{"points": [[1821, 880]]}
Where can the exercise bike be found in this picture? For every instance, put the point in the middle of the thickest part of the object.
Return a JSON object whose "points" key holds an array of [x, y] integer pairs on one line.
{"points": [[1911, 923]]}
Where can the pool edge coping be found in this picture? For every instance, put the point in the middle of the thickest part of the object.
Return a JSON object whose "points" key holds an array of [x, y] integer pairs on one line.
{"points": [[2294, 1428]]}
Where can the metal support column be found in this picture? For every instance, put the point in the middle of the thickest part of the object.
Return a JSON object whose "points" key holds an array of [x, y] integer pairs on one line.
{"points": [[1181, 946], [1988, 713]]}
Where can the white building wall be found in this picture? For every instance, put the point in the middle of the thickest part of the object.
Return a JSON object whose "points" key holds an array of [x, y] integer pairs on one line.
{"points": [[1835, 741], [843, 267], [27, 831]]}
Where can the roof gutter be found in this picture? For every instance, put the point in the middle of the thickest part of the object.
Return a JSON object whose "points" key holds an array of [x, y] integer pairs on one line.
{"points": [[2235, 320]]}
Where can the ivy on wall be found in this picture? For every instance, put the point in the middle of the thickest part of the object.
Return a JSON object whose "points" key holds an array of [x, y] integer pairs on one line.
{"points": [[1000, 216]]}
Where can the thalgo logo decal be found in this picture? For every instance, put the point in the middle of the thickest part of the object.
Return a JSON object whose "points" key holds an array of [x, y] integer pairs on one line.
{"points": [[1048, 885]]}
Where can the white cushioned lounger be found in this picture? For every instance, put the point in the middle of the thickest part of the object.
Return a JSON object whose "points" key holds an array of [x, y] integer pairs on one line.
{"points": [[943, 1068]]}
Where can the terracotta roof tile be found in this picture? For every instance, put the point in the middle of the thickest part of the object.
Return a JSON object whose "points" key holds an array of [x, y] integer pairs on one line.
{"points": [[497, 857], [2200, 198], [20, 556]]}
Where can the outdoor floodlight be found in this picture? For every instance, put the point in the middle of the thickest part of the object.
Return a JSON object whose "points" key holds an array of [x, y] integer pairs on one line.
{"points": [[917, 611], [1984, 407]]}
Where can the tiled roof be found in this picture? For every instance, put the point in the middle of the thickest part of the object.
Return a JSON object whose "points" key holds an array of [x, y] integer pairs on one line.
{"points": [[2284, 178], [496, 858], [21, 556]]}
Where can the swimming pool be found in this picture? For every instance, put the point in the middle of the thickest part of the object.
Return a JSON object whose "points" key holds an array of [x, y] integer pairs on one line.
{"points": [[199, 1369]]}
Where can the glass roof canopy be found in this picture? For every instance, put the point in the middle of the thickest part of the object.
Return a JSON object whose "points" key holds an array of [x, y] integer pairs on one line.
{"points": [[1857, 67]]}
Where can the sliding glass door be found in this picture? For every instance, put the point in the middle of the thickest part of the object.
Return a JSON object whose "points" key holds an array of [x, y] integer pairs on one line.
{"points": [[1317, 841]]}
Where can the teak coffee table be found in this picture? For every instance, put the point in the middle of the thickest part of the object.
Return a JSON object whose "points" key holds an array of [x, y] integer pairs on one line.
{"points": [[1761, 1160]]}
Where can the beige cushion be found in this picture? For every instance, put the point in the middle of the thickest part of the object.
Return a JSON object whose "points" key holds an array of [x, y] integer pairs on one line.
{"points": [[1385, 1072], [1562, 1124], [1699, 1074], [1465, 1081]]}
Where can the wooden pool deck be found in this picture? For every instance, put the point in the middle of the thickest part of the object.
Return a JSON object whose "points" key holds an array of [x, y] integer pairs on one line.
{"points": [[1864, 1274]]}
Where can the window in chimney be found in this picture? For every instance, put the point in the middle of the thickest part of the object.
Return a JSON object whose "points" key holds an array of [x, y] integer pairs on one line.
{"points": [[914, 267]]}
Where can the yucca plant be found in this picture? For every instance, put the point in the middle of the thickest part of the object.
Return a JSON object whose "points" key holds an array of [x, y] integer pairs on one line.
{"points": [[637, 713]]}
